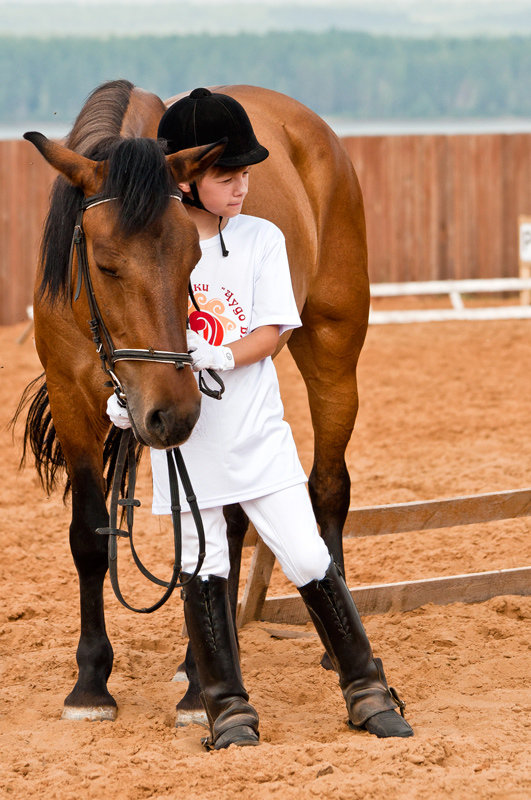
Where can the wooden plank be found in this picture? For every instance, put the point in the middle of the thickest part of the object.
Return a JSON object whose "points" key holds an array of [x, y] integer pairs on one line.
{"points": [[257, 584], [407, 595], [431, 514]]}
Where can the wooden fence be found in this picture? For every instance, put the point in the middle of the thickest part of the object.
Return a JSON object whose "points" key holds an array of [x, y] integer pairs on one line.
{"points": [[25, 182], [443, 207], [405, 595], [437, 207]]}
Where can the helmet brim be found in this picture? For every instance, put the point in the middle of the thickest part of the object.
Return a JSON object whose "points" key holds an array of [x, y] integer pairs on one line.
{"points": [[254, 156]]}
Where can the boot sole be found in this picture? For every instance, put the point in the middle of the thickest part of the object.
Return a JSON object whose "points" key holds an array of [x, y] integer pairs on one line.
{"points": [[407, 732]]}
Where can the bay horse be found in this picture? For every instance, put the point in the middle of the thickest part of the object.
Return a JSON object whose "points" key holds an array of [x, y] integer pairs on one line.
{"points": [[141, 248]]}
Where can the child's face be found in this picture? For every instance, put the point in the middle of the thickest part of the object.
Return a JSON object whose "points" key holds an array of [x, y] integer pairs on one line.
{"points": [[222, 192]]}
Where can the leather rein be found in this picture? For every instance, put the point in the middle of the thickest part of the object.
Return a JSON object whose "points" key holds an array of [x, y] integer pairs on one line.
{"points": [[109, 356]]}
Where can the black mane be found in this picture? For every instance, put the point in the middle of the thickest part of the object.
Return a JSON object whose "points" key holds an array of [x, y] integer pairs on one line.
{"points": [[137, 175]]}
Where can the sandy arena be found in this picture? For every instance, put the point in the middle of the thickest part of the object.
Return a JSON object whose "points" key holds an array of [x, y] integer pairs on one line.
{"points": [[445, 411]]}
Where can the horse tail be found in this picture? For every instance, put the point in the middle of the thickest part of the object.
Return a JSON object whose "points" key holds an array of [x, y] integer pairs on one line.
{"points": [[41, 439], [40, 436]]}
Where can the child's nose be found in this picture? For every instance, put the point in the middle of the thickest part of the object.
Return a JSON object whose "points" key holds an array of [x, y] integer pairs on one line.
{"points": [[240, 186]]}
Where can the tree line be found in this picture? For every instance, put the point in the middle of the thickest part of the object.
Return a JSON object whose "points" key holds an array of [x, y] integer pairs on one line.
{"points": [[359, 75]]}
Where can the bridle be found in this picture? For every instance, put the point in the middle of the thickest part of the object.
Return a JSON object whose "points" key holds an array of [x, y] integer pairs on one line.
{"points": [[109, 356], [107, 352], [101, 337]]}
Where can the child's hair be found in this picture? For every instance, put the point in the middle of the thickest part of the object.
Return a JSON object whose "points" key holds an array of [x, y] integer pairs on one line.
{"points": [[217, 171]]}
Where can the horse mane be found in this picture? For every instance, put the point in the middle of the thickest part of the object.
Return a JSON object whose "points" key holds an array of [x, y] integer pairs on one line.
{"points": [[137, 176]]}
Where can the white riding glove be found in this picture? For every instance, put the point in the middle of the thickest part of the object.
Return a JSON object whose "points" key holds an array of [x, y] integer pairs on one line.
{"points": [[117, 414], [208, 356]]}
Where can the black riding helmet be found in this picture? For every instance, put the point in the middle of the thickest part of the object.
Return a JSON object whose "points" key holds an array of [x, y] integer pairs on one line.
{"points": [[205, 117]]}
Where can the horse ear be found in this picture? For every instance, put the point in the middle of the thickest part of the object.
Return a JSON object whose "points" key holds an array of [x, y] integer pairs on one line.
{"points": [[187, 165], [84, 173]]}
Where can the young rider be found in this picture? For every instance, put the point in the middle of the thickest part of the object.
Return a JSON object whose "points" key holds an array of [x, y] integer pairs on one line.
{"points": [[241, 449]]}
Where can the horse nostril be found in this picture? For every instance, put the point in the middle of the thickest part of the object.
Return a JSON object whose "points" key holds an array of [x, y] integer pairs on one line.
{"points": [[159, 422], [169, 428]]}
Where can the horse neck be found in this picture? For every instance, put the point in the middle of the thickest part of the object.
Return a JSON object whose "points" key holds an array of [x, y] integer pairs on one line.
{"points": [[143, 115]]}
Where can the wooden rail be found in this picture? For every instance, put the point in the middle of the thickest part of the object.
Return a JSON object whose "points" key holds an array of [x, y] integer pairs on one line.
{"points": [[406, 595]]}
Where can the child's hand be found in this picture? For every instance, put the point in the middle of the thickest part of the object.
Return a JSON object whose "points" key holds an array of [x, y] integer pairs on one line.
{"points": [[117, 413], [208, 356]]}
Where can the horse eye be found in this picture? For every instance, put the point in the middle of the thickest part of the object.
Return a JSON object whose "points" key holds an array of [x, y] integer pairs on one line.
{"points": [[108, 271]]}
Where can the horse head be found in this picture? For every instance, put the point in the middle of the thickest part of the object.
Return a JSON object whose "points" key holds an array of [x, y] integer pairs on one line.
{"points": [[139, 248]]}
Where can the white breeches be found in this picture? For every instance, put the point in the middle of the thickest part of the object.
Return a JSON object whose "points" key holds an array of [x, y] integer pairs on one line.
{"points": [[285, 522]]}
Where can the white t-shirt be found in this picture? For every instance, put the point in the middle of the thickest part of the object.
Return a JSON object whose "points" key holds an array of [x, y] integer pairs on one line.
{"points": [[241, 447]]}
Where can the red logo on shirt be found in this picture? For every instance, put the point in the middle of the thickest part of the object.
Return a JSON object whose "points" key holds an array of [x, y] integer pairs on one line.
{"points": [[215, 319], [207, 325]]}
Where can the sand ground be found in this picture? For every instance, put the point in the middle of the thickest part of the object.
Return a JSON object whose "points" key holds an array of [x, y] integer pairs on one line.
{"points": [[445, 411]]}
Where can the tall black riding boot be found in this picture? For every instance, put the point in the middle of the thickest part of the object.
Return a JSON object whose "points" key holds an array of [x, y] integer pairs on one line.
{"points": [[370, 701], [232, 718]]}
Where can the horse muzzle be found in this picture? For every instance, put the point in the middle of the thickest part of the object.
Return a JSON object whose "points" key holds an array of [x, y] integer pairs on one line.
{"points": [[165, 426]]}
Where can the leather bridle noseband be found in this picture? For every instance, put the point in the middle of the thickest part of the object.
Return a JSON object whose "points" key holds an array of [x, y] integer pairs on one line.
{"points": [[109, 356]]}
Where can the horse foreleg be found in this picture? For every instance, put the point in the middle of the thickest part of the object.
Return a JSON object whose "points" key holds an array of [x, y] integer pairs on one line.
{"points": [[327, 356], [327, 360], [190, 708], [90, 698]]}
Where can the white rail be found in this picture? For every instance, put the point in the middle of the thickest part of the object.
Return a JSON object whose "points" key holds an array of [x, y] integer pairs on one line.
{"points": [[454, 289]]}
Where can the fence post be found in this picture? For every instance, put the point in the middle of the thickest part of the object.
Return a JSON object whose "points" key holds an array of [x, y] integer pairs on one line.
{"points": [[524, 254]]}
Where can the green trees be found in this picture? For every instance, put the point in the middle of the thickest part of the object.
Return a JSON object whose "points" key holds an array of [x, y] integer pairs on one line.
{"points": [[354, 74]]}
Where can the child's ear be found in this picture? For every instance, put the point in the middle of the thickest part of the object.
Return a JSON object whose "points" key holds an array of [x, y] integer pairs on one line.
{"points": [[184, 187]]}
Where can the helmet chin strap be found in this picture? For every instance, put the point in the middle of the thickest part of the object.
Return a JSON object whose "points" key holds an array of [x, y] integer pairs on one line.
{"points": [[197, 203]]}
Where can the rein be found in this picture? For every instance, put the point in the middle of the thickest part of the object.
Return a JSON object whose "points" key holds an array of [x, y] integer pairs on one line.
{"points": [[126, 453], [109, 356]]}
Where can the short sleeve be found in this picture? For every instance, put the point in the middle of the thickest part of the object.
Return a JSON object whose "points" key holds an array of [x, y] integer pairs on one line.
{"points": [[273, 298]]}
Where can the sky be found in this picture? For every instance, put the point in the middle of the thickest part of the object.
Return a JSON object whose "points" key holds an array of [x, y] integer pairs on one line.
{"points": [[418, 18]]}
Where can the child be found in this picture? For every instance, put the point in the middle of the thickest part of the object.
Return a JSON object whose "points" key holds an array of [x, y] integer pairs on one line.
{"points": [[241, 449]]}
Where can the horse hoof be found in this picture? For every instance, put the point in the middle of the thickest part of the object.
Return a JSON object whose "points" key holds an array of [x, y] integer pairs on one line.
{"points": [[180, 676], [190, 717], [90, 713]]}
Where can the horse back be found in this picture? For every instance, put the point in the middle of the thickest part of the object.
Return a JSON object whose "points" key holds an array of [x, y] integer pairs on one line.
{"points": [[309, 189]]}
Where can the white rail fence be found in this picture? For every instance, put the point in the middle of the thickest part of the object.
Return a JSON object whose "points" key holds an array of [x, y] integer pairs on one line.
{"points": [[455, 291]]}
